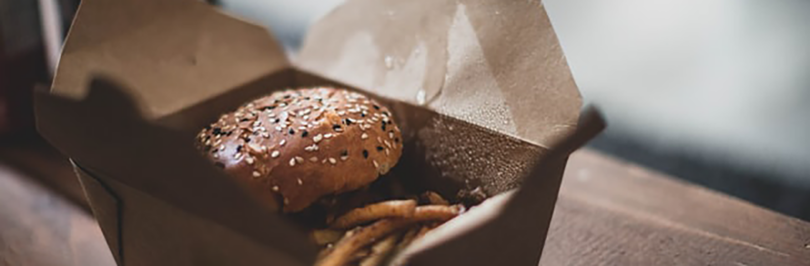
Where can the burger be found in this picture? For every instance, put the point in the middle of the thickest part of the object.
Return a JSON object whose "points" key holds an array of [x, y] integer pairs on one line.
{"points": [[317, 154]]}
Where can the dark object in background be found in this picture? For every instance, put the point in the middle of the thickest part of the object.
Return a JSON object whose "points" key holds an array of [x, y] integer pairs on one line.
{"points": [[22, 64]]}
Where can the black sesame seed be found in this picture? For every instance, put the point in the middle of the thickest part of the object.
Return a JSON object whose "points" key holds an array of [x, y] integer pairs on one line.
{"points": [[277, 120], [217, 131], [396, 140], [365, 154], [379, 148], [208, 127], [244, 120], [304, 134], [229, 133], [385, 113], [239, 148], [335, 127], [247, 139], [376, 107], [220, 165], [362, 114], [344, 153], [268, 108], [383, 126], [287, 96], [306, 98], [292, 132]]}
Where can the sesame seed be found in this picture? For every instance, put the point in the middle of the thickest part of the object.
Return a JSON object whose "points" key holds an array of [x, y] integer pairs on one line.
{"points": [[275, 154], [313, 159], [254, 148], [327, 135], [282, 142], [317, 138], [249, 160], [278, 128], [298, 159], [341, 113], [237, 156], [387, 143], [379, 139], [256, 174], [364, 136], [386, 152], [390, 135], [332, 160], [275, 188], [337, 127], [300, 182], [292, 161], [376, 165], [216, 155], [313, 147]]}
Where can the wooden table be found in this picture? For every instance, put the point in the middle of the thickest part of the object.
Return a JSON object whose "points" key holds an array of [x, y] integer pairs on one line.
{"points": [[609, 213]]}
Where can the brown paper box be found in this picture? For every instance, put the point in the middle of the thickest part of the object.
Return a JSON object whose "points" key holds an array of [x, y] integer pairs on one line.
{"points": [[481, 90]]}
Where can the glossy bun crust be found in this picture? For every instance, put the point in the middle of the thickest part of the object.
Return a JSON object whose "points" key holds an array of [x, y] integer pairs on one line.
{"points": [[295, 146]]}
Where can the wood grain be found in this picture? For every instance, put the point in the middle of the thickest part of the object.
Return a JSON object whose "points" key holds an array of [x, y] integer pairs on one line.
{"points": [[609, 213], [38, 227], [617, 194]]}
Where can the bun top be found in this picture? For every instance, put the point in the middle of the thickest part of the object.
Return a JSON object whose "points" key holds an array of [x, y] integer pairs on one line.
{"points": [[295, 146]]}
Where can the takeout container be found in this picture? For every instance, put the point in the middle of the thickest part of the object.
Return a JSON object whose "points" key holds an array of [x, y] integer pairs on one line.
{"points": [[479, 88]]}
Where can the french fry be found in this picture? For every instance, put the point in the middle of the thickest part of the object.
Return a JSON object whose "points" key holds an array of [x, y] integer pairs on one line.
{"points": [[438, 213], [434, 198], [326, 236], [407, 238], [380, 251], [355, 240], [385, 209]]}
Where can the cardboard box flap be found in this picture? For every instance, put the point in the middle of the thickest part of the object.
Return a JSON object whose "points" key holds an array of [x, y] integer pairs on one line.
{"points": [[494, 63], [510, 228], [105, 134], [176, 53]]}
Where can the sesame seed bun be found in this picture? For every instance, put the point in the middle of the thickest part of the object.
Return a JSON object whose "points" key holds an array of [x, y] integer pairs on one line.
{"points": [[295, 146]]}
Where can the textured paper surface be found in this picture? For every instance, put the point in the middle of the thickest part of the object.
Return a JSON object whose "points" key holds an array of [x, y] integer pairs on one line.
{"points": [[480, 88]]}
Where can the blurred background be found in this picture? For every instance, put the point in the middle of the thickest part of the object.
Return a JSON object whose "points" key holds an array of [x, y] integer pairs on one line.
{"points": [[712, 92]]}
